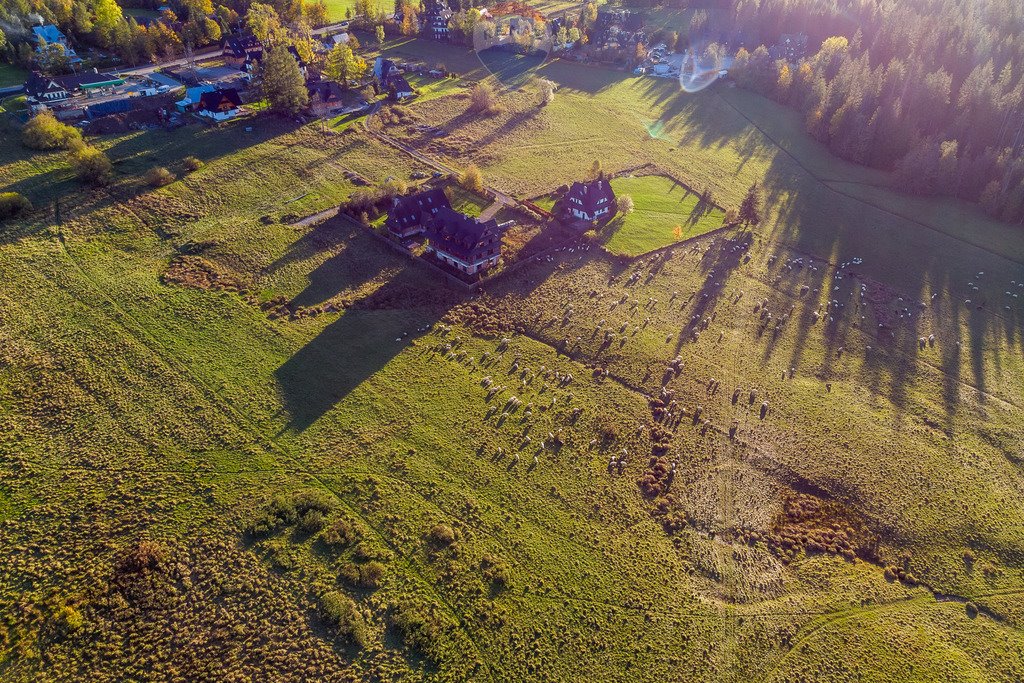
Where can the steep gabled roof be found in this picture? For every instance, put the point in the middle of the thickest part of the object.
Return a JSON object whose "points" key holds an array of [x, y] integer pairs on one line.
{"points": [[411, 209], [240, 44], [324, 91], [38, 85], [397, 83], [220, 100], [295, 53], [591, 196], [464, 237], [384, 69], [49, 33]]}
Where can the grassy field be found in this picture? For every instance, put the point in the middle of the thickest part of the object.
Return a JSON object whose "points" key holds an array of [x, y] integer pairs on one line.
{"points": [[11, 75], [141, 13], [665, 212], [336, 8], [296, 451]]}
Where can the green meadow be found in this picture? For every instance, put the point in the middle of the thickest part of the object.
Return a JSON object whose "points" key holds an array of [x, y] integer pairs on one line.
{"points": [[240, 446], [665, 212]]}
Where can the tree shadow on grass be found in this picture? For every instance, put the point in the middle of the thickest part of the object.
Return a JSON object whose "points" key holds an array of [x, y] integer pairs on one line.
{"points": [[723, 256], [365, 338], [355, 260]]}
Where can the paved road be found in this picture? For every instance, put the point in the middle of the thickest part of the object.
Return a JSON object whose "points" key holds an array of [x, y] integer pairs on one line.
{"points": [[150, 68], [205, 53]]}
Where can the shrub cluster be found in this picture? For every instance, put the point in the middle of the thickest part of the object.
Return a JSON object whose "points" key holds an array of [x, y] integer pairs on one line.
{"points": [[305, 509], [344, 616], [420, 629], [192, 163], [158, 176], [13, 205], [43, 131], [90, 165]]}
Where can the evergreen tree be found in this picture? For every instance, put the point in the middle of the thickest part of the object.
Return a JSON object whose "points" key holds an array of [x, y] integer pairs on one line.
{"points": [[282, 82]]}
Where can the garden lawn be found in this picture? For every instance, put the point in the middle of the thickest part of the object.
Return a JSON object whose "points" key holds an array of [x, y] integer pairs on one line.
{"points": [[467, 202], [665, 212]]}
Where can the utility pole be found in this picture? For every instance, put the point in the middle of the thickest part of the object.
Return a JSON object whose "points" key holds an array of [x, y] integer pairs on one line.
{"points": [[190, 61]]}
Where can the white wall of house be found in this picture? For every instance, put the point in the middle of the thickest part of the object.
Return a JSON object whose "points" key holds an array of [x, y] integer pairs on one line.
{"points": [[468, 268], [219, 115]]}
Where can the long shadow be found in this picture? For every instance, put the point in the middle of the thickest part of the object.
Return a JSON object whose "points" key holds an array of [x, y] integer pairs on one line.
{"points": [[717, 263], [355, 260], [904, 263], [581, 78], [350, 350]]}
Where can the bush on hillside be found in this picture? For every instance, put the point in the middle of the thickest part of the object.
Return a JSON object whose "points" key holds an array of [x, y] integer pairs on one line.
{"points": [[158, 176], [344, 616], [441, 535], [90, 164], [625, 204], [483, 99], [472, 179], [192, 163], [13, 205], [44, 131]]}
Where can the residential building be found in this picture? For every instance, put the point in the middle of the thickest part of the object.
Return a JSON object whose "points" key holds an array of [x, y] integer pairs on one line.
{"points": [[325, 97], [303, 67], [251, 66], [237, 47], [590, 201], [434, 19], [49, 34], [399, 88], [220, 105], [47, 89], [467, 244], [408, 212], [192, 97], [383, 69]]}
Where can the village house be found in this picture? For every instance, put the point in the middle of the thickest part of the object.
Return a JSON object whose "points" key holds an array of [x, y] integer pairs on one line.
{"points": [[192, 96], [51, 35], [251, 66], [408, 213], [387, 77], [435, 17], [467, 244], [590, 201], [220, 105], [325, 97], [238, 47], [303, 67], [52, 89], [399, 88]]}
